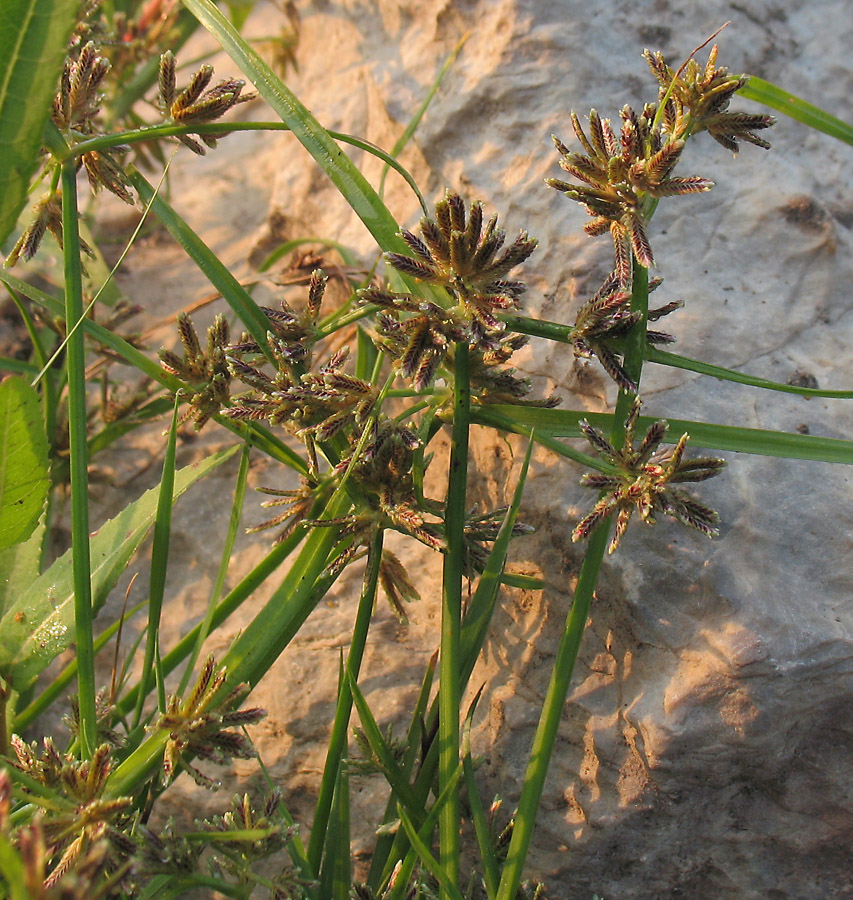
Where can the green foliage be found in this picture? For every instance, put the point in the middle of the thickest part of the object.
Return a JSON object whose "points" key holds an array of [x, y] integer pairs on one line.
{"points": [[23, 461], [37, 625], [33, 44]]}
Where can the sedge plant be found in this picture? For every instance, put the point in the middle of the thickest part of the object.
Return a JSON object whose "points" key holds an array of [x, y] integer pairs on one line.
{"points": [[438, 322]]}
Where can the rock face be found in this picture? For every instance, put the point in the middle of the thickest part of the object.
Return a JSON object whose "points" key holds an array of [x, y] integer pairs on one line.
{"points": [[706, 746]]}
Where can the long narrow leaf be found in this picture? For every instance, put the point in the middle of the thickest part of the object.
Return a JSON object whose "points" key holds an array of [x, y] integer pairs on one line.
{"points": [[380, 747], [23, 461], [338, 738], [344, 174], [214, 270], [664, 358], [779, 99], [564, 423], [404, 874], [447, 880], [159, 564], [316, 140]]}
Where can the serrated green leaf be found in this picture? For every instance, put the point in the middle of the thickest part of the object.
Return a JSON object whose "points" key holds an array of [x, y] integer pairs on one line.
{"points": [[33, 39], [39, 624], [23, 461]]}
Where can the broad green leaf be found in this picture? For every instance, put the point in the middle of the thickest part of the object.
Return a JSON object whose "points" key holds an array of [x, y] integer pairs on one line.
{"points": [[19, 566], [39, 625], [33, 39], [23, 461]]}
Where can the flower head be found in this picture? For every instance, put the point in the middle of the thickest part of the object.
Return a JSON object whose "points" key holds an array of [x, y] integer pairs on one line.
{"points": [[617, 173], [456, 251], [194, 104], [645, 481], [198, 726], [607, 316], [698, 97], [206, 373]]}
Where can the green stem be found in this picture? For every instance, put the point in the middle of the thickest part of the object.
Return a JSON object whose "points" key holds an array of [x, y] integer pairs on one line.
{"points": [[159, 560], [451, 613], [567, 654], [552, 712], [78, 463], [234, 523], [337, 740]]}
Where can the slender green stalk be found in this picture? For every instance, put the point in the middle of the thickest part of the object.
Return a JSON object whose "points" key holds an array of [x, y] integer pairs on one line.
{"points": [[451, 613], [159, 564], [340, 727], [552, 712], [227, 550], [635, 350], [564, 664], [76, 367]]}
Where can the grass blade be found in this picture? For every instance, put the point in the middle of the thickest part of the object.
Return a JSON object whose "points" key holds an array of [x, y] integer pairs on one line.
{"points": [[664, 358], [779, 99], [564, 423], [491, 872], [214, 270], [378, 744], [24, 477], [447, 880], [316, 140], [253, 432], [159, 564], [408, 864], [228, 549], [340, 727], [344, 174]]}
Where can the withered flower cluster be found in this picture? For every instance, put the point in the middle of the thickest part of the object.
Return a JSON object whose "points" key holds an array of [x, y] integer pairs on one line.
{"points": [[645, 481]]}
